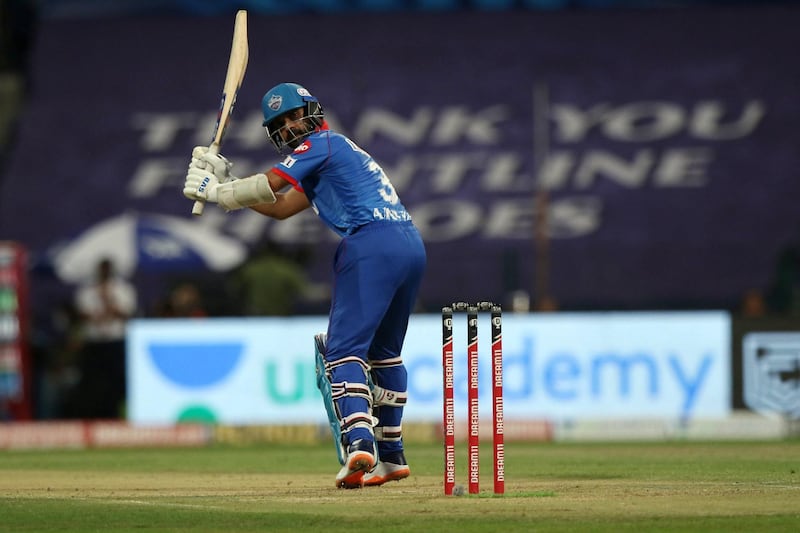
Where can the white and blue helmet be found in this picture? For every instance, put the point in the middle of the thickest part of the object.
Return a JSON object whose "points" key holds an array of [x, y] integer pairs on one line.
{"points": [[285, 98]]}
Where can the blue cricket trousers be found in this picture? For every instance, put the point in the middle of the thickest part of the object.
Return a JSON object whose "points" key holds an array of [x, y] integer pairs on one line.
{"points": [[377, 274]]}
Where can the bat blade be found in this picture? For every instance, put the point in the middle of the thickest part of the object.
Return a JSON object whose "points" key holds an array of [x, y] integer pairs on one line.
{"points": [[237, 66]]}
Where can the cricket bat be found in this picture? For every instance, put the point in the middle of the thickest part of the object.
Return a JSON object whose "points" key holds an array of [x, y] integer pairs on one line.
{"points": [[237, 65]]}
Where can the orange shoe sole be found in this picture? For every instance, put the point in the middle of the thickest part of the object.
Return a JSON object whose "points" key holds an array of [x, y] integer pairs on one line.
{"points": [[397, 475], [358, 465]]}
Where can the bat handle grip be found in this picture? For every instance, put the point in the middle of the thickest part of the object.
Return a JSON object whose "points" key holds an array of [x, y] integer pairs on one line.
{"points": [[197, 208], [199, 205]]}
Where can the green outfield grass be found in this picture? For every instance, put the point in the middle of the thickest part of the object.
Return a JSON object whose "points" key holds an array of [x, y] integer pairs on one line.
{"points": [[642, 487]]}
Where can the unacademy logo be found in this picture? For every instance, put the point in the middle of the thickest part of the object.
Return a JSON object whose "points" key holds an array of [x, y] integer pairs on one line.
{"points": [[195, 365]]}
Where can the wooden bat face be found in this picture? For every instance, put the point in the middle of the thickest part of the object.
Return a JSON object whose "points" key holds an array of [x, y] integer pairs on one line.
{"points": [[237, 65]]}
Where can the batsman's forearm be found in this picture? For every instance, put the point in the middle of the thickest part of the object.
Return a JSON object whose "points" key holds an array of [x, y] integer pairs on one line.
{"points": [[285, 205]]}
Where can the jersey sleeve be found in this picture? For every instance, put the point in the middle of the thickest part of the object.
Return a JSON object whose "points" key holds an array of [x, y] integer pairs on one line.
{"points": [[303, 162]]}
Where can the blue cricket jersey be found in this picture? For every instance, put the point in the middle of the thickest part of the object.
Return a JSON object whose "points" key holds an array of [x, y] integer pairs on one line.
{"points": [[346, 187], [377, 268]]}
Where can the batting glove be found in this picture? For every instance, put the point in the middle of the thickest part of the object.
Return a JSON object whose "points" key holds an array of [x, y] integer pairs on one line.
{"points": [[200, 184], [203, 158]]}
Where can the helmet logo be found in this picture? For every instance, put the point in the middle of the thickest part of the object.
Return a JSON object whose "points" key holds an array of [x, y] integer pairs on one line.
{"points": [[275, 102], [303, 92]]}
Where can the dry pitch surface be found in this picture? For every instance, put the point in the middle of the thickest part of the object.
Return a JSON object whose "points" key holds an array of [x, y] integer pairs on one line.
{"points": [[281, 492]]}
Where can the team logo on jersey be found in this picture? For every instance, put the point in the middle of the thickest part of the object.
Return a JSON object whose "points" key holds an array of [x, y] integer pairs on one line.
{"points": [[303, 147], [289, 161], [275, 102]]}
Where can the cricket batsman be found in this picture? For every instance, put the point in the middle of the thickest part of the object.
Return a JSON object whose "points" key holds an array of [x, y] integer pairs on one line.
{"points": [[377, 271]]}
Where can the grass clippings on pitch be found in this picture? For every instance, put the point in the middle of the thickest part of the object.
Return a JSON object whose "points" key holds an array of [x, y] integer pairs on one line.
{"points": [[669, 486]]}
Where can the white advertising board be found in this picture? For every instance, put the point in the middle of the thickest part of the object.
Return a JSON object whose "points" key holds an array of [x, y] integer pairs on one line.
{"points": [[558, 366]]}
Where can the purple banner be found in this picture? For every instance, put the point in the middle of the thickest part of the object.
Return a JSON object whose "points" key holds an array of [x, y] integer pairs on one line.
{"points": [[657, 150]]}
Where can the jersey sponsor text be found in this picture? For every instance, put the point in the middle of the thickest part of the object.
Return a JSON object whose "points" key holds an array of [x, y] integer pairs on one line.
{"points": [[387, 213]]}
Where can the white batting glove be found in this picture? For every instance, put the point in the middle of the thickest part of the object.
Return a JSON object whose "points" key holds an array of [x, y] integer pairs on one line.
{"points": [[216, 163], [200, 184], [235, 194]]}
